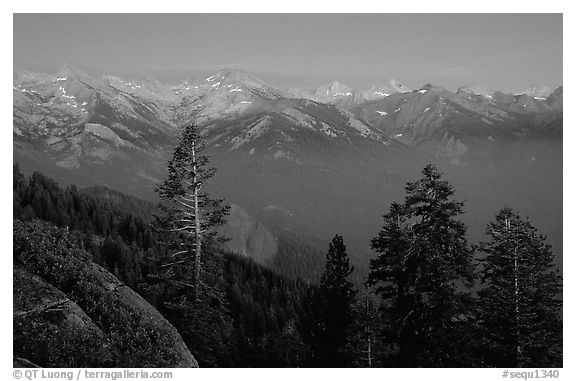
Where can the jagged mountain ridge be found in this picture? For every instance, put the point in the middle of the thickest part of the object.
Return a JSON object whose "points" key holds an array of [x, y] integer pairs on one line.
{"points": [[344, 96], [229, 94], [79, 120], [421, 114], [226, 94], [450, 123]]}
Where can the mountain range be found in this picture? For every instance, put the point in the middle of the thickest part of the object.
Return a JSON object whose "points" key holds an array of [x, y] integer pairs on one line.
{"points": [[301, 162]]}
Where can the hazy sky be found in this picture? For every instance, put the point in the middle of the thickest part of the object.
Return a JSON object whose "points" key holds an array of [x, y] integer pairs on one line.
{"points": [[501, 51]]}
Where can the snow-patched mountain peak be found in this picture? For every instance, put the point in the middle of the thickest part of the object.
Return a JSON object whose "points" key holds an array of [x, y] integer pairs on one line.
{"points": [[69, 73], [233, 80], [429, 87], [343, 95], [376, 92], [146, 86], [224, 94], [334, 89], [238, 77], [66, 74], [226, 82], [476, 90]]}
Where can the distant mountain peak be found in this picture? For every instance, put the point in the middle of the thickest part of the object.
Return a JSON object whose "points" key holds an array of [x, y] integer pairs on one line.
{"points": [[476, 90], [66, 72], [337, 92], [334, 89], [230, 74], [236, 76], [432, 88]]}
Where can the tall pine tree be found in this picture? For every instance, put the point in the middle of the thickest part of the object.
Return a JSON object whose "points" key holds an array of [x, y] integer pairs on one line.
{"points": [[423, 262], [188, 214], [337, 298], [520, 305]]}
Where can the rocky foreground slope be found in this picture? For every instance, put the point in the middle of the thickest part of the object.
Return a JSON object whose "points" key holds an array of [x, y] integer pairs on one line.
{"points": [[70, 312]]}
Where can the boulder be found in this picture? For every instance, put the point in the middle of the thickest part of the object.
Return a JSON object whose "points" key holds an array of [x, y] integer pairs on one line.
{"points": [[51, 329]]}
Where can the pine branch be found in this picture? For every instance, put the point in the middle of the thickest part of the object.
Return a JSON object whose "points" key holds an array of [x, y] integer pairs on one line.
{"points": [[173, 263], [184, 204], [178, 253], [183, 228]]}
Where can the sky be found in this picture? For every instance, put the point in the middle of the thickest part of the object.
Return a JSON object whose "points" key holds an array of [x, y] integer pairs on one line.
{"points": [[505, 52]]}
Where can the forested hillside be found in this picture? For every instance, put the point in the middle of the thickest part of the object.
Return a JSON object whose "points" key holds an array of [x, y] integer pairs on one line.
{"points": [[254, 316]]}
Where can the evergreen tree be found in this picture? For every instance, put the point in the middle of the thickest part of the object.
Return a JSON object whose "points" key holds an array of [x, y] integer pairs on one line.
{"points": [[337, 298], [18, 184], [423, 261], [189, 215], [520, 306]]}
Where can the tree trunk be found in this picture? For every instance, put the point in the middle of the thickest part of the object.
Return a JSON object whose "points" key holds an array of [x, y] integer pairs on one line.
{"points": [[368, 335], [516, 298], [369, 353], [517, 305], [197, 230]]}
